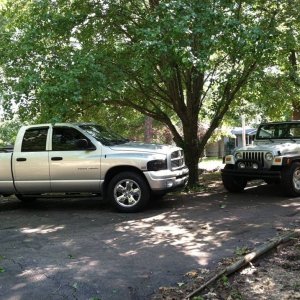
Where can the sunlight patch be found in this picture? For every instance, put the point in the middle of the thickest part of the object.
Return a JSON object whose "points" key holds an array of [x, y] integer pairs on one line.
{"points": [[42, 229]]}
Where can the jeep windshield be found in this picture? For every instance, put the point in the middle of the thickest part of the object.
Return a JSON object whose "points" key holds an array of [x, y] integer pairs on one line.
{"points": [[102, 135], [274, 131]]}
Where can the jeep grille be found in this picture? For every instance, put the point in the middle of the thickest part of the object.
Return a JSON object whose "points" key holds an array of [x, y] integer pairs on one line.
{"points": [[177, 159], [253, 156]]}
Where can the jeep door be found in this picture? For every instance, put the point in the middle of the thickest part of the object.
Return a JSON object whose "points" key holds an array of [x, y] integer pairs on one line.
{"points": [[73, 169], [31, 162]]}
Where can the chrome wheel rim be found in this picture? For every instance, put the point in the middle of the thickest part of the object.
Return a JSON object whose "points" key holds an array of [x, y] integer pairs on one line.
{"points": [[127, 193], [296, 179]]}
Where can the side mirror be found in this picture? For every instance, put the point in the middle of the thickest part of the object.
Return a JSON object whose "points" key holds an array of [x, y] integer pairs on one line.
{"points": [[83, 144]]}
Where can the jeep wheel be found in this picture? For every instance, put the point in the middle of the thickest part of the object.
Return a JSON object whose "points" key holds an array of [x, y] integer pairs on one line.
{"points": [[271, 181], [128, 192], [291, 180], [233, 184]]}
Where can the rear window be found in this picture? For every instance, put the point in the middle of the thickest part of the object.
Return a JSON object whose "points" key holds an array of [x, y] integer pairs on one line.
{"points": [[35, 140]]}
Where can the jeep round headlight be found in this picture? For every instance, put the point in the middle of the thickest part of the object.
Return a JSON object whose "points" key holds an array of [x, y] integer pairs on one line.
{"points": [[269, 156], [238, 155]]}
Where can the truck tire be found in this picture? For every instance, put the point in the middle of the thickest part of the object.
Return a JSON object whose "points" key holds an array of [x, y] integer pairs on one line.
{"points": [[26, 199], [157, 196], [233, 184], [128, 192], [290, 180]]}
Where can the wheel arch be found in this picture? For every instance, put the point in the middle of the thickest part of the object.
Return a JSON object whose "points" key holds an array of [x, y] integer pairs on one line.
{"points": [[289, 160], [119, 169]]}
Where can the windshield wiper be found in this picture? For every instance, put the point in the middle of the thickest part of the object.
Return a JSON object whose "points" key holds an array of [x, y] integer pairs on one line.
{"points": [[118, 142]]}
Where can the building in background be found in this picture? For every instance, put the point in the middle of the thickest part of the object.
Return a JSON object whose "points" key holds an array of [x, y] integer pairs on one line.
{"points": [[226, 144]]}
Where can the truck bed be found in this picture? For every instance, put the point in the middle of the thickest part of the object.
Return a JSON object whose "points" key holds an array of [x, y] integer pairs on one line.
{"points": [[6, 178], [7, 149]]}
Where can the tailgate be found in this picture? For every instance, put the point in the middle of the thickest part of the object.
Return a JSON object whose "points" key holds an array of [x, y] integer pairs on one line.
{"points": [[6, 178]]}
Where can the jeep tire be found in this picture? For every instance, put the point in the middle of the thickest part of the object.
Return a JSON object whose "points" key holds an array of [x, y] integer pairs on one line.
{"points": [[290, 180], [233, 184]]}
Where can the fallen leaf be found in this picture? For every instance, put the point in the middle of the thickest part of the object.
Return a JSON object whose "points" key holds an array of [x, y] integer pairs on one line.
{"points": [[75, 285], [192, 274]]}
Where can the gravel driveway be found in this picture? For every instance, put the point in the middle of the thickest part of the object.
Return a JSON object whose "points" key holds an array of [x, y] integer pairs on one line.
{"points": [[81, 249]]}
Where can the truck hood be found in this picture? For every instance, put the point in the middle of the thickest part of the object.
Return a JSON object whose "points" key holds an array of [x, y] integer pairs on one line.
{"points": [[277, 149], [143, 147]]}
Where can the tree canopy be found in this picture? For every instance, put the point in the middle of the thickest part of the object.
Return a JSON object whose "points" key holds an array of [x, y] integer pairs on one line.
{"points": [[175, 61]]}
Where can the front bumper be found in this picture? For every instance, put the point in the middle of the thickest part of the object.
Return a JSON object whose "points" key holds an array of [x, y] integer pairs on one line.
{"points": [[166, 180], [252, 174]]}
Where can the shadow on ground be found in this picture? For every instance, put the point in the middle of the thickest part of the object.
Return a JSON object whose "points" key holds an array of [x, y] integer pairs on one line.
{"points": [[82, 249]]}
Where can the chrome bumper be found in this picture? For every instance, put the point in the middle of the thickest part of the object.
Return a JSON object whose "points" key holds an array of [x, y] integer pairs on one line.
{"points": [[166, 179]]}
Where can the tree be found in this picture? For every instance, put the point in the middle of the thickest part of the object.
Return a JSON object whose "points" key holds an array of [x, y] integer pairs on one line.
{"points": [[8, 132], [172, 60], [274, 92]]}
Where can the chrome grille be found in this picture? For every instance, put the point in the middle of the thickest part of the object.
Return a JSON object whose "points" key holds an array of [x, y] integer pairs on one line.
{"points": [[177, 159]]}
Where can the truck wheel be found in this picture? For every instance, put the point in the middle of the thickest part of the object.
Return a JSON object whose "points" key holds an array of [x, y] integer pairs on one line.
{"points": [[157, 196], [128, 192], [290, 180], [25, 199], [233, 184]]}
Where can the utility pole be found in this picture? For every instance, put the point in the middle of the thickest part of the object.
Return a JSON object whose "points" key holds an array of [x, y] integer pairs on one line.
{"points": [[243, 131]]}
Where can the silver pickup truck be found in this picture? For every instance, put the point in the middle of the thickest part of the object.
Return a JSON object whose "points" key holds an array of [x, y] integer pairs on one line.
{"points": [[87, 158]]}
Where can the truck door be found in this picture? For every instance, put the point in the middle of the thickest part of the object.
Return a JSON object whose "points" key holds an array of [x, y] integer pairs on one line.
{"points": [[31, 163], [73, 169]]}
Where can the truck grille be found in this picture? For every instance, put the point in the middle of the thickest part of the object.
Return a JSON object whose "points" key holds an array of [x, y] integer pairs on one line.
{"points": [[177, 159], [253, 156]]}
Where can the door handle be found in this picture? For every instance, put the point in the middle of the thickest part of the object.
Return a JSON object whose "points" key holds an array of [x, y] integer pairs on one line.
{"points": [[56, 158], [21, 159]]}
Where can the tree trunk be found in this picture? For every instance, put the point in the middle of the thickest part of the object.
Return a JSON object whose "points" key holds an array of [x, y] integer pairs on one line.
{"points": [[191, 149], [296, 110], [192, 160], [296, 114], [295, 79], [148, 134]]}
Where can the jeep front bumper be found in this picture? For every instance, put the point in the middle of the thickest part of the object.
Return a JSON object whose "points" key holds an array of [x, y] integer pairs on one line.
{"points": [[252, 174]]}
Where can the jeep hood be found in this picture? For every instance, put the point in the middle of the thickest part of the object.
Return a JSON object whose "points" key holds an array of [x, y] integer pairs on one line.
{"points": [[277, 149]]}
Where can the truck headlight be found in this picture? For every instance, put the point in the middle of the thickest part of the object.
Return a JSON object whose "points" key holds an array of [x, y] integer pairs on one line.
{"points": [[157, 165], [269, 156], [238, 155]]}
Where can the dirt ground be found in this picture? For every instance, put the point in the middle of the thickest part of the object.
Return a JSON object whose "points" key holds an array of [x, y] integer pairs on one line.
{"points": [[273, 276]]}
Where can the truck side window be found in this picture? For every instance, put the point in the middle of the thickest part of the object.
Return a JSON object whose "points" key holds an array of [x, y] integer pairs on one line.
{"points": [[34, 140], [65, 139]]}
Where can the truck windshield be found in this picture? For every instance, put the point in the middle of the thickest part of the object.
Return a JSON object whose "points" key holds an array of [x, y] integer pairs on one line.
{"points": [[104, 136], [278, 131]]}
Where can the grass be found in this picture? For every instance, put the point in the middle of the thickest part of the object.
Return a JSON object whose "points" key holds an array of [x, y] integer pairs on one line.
{"points": [[210, 163]]}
